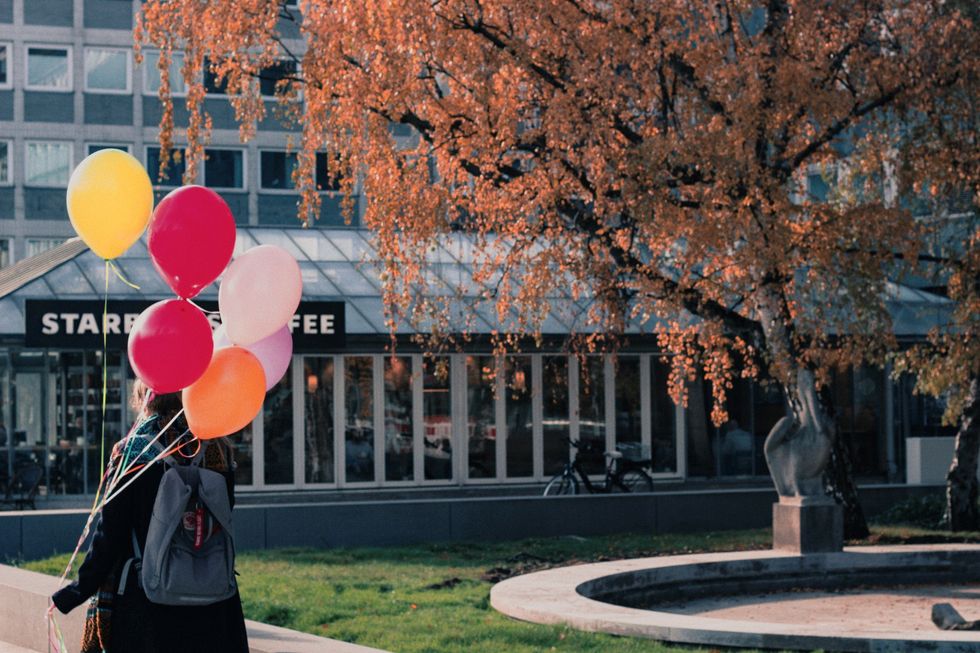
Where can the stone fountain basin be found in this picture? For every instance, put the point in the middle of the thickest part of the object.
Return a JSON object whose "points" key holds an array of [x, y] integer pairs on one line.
{"points": [[746, 599]]}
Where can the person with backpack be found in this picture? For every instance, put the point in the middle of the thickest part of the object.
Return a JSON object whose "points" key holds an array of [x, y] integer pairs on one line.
{"points": [[160, 567]]}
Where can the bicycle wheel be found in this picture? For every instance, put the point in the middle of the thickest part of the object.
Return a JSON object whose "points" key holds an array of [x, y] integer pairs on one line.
{"points": [[634, 480], [561, 484]]}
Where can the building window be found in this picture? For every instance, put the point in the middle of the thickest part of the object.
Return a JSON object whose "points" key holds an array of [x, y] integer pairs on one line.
{"points": [[5, 68], [663, 412], [554, 389], [319, 422], [277, 171], [399, 430], [277, 422], [212, 85], [49, 68], [519, 416], [107, 70], [481, 416], [47, 163], [5, 151], [6, 256], [592, 412], [359, 418], [437, 419], [92, 148], [151, 74], [173, 174], [224, 169], [272, 77], [37, 245]]}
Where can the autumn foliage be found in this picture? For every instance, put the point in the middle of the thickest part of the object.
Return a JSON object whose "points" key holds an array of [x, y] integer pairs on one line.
{"points": [[650, 158]]}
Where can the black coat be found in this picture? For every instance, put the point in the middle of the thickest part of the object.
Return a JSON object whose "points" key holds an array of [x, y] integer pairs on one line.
{"points": [[138, 626]]}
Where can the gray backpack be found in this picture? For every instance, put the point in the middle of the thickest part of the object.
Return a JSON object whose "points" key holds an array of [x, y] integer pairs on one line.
{"points": [[189, 558]]}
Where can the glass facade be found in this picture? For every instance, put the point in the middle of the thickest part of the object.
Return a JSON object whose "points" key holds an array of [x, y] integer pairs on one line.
{"points": [[437, 419]]}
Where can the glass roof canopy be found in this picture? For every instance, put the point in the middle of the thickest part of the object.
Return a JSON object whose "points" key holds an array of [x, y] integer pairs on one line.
{"points": [[339, 265]]}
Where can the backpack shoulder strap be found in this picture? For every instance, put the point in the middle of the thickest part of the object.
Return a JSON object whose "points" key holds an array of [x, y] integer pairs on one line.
{"points": [[198, 459]]}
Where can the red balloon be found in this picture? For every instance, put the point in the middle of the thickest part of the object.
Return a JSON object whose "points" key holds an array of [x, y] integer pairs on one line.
{"points": [[191, 238], [170, 345]]}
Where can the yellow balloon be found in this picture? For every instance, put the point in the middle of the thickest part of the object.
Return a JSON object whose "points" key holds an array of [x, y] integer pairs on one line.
{"points": [[110, 199]]}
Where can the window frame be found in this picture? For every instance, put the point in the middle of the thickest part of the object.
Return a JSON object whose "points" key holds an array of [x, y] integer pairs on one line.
{"points": [[152, 69], [9, 181], [71, 161], [69, 54], [288, 191], [129, 71], [9, 83], [152, 173], [232, 189]]}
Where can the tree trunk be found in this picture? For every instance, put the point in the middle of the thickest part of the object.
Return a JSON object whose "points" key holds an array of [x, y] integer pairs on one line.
{"points": [[961, 481], [839, 482]]}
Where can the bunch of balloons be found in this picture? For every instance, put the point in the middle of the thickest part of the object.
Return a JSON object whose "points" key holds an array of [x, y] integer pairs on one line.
{"points": [[223, 377]]}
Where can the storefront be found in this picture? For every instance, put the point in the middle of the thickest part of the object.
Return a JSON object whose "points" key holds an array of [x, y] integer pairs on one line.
{"points": [[348, 414]]}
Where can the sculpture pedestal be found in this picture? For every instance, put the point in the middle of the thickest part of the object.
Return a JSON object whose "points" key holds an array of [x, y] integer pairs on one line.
{"points": [[807, 526]]}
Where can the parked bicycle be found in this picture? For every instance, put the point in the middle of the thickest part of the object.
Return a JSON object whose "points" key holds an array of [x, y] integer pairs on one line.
{"points": [[622, 474]]}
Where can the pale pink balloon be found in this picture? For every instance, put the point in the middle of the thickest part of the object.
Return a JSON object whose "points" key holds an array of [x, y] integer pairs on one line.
{"points": [[274, 352], [259, 294]]}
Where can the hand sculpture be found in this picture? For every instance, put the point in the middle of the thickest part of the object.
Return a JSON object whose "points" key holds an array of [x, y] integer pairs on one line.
{"points": [[798, 447]]}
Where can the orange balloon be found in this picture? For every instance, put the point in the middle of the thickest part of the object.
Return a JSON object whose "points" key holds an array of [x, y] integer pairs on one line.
{"points": [[227, 397]]}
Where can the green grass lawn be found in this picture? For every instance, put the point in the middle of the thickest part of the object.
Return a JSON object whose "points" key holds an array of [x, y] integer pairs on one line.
{"points": [[436, 598]]}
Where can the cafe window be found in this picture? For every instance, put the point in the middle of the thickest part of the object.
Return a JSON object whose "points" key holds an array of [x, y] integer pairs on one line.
{"points": [[359, 419], [663, 416], [108, 70], [224, 169], [519, 417], [629, 433], [47, 163], [277, 171], [49, 68], [5, 81], [554, 390], [151, 74], [399, 423], [6, 150], [277, 428], [438, 442], [592, 412], [319, 419], [481, 416], [173, 174]]}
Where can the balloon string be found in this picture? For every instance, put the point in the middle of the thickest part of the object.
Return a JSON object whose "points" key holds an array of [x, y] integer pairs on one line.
{"points": [[105, 372], [122, 277], [193, 303]]}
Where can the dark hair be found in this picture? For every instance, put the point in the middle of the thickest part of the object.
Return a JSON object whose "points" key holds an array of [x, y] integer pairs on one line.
{"points": [[145, 402]]}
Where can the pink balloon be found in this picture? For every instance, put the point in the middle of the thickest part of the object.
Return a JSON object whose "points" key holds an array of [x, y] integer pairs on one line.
{"points": [[170, 345], [274, 352], [191, 239], [259, 294]]}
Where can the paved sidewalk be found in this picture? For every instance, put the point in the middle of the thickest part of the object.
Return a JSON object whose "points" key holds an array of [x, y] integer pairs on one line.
{"points": [[10, 648]]}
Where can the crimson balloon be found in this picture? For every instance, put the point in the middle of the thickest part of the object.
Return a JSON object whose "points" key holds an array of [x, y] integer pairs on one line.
{"points": [[170, 345], [191, 238]]}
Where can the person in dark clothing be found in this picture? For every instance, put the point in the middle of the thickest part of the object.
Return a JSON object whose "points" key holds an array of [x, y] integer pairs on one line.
{"points": [[120, 618]]}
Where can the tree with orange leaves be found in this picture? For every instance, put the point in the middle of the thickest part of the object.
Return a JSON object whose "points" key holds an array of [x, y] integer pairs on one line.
{"points": [[645, 155]]}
